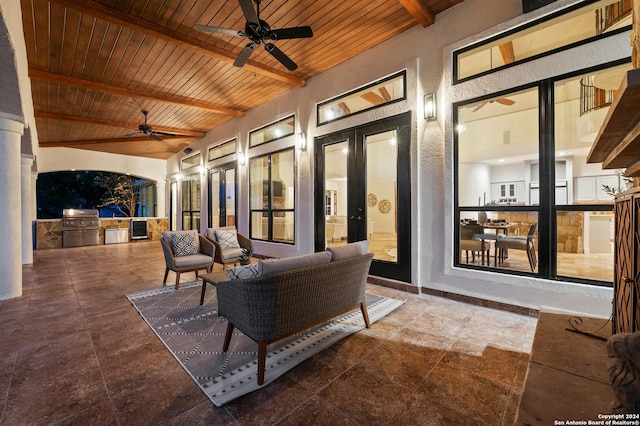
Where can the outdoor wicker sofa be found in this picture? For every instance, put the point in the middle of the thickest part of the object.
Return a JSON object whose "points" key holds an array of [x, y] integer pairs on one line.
{"points": [[275, 306]]}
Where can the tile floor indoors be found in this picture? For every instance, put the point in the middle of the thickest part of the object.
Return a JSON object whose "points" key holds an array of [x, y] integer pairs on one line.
{"points": [[74, 351]]}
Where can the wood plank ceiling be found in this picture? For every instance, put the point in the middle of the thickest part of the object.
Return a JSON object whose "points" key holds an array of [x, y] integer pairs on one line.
{"points": [[95, 65]]}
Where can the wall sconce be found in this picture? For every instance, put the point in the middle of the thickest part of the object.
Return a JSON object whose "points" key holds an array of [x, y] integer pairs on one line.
{"points": [[241, 158], [302, 142], [429, 106], [187, 150]]}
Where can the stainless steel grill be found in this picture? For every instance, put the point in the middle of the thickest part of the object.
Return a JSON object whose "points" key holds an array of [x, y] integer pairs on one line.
{"points": [[80, 227]]}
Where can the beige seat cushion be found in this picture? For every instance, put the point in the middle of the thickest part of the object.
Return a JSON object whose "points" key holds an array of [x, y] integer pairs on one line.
{"points": [[349, 250], [272, 266]]}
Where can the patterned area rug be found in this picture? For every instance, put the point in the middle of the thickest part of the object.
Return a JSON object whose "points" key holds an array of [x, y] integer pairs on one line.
{"points": [[194, 335]]}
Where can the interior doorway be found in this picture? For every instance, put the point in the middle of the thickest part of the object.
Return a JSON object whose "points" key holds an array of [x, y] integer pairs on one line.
{"points": [[364, 192]]}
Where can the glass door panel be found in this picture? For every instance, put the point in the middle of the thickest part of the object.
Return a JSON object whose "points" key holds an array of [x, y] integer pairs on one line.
{"points": [[173, 214], [335, 190], [382, 205], [230, 196], [365, 193], [215, 199], [222, 196]]}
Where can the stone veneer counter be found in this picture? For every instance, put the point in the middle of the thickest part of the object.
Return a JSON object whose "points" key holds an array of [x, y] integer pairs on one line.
{"points": [[49, 231]]}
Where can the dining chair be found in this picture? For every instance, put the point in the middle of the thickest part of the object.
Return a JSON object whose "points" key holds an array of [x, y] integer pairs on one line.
{"points": [[469, 244], [517, 242]]}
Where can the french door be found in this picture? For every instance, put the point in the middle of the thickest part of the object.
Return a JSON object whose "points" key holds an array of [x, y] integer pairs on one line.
{"points": [[222, 196], [363, 192]]}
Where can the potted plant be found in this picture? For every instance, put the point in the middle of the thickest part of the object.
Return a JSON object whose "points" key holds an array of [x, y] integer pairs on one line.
{"points": [[245, 257]]}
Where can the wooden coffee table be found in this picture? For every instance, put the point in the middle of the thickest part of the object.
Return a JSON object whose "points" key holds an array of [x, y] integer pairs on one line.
{"points": [[212, 278]]}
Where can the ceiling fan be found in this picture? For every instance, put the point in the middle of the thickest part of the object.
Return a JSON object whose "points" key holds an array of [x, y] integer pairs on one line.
{"points": [[503, 101], [146, 129], [258, 32]]}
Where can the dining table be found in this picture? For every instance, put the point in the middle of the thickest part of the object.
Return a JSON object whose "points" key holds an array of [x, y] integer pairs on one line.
{"points": [[499, 228]]}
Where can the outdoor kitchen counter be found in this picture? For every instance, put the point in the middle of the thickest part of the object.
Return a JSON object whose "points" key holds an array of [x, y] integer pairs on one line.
{"points": [[48, 232]]}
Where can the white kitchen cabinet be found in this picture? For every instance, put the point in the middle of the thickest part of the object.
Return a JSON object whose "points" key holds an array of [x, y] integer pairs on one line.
{"points": [[586, 188], [589, 188], [508, 192], [612, 181]]}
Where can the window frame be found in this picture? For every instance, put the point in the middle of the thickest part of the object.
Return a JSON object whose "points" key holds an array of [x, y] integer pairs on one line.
{"points": [[402, 73], [524, 27], [269, 211], [273, 124], [547, 213]]}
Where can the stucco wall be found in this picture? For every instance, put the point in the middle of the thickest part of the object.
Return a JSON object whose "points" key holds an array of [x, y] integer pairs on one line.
{"points": [[425, 54]]}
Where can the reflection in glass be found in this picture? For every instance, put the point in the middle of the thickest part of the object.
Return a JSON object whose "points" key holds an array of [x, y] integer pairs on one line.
{"points": [[581, 24], [273, 131], [379, 93], [381, 189], [221, 150], [335, 185], [585, 238], [230, 196], [215, 199], [506, 240], [498, 150], [191, 202], [585, 244], [272, 197], [581, 104]]}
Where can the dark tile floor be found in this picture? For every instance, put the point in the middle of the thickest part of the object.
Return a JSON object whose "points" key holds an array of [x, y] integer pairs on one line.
{"points": [[567, 378], [74, 351]]}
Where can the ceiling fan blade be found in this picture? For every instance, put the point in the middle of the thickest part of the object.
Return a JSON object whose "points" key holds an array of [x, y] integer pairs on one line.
{"points": [[280, 56], [243, 57], [249, 12], [163, 133], [505, 101], [293, 32], [479, 106], [155, 136], [218, 30]]}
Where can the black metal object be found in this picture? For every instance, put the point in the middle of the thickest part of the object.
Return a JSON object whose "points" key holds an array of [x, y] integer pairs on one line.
{"points": [[575, 322]]}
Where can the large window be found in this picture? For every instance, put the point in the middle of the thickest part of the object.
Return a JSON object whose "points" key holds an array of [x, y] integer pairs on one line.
{"points": [[527, 200], [545, 36], [272, 197]]}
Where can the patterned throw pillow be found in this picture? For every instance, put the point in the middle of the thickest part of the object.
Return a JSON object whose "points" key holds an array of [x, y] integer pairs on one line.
{"points": [[184, 244], [227, 238], [245, 272]]}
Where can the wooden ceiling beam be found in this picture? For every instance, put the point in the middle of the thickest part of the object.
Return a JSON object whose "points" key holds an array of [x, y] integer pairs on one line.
{"points": [[420, 10], [100, 11], [120, 91], [79, 119], [66, 144], [508, 55]]}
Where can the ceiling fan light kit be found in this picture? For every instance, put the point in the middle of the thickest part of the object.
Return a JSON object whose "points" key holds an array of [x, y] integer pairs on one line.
{"points": [[259, 32]]}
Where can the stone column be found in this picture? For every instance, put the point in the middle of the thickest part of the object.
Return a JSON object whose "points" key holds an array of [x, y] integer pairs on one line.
{"points": [[11, 129], [26, 210]]}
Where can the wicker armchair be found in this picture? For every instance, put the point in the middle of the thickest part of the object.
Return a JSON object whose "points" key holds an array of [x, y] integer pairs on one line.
{"points": [[273, 307], [191, 263], [226, 256]]}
